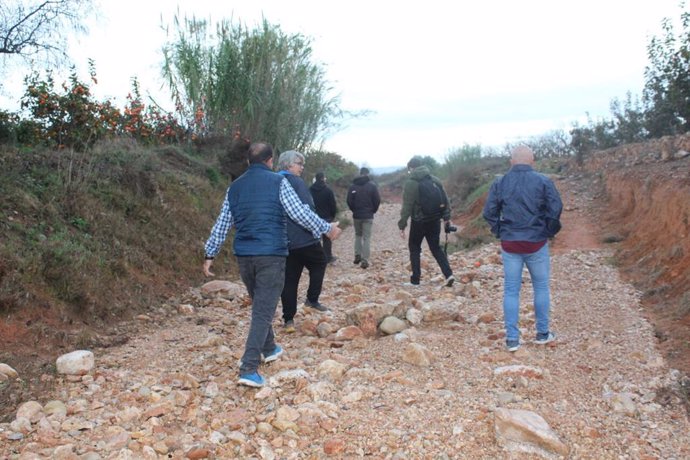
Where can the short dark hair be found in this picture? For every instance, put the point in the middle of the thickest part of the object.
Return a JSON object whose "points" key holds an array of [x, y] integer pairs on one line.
{"points": [[259, 152], [363, 171], [415, 162], [320, 176]]}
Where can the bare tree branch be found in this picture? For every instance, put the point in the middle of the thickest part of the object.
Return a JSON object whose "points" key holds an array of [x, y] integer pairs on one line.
{"points": [[41, 28]]}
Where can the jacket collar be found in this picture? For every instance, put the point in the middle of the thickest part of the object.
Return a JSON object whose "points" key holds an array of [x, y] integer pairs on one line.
{"points": [[521, 168]]}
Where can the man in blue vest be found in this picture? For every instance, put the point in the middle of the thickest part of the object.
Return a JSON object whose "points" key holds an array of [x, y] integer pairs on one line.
{"points": [[258, 204]]}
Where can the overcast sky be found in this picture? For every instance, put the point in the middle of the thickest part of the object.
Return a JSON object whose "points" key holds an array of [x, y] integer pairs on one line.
{"points": [[435, 74]]}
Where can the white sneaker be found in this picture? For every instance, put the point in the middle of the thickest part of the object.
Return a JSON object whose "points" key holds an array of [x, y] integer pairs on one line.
{"points": [[450, 280], [550, 337], [512, 345], [408, 284]]}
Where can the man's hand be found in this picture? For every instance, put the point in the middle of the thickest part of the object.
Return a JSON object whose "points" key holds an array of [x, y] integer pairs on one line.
{"points": [[335, 231], [207, 267], [402, 233]]}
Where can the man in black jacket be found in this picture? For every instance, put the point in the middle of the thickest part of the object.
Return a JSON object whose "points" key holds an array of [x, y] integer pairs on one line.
{"points": [[324, 201], [363, 200]]}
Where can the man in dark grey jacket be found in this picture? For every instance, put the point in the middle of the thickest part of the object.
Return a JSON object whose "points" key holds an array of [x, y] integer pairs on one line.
{"points": [[326, 208], [524, 209], [363, 200], [304, 249]]}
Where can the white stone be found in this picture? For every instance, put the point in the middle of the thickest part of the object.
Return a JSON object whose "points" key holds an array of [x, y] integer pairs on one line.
{"points": [[30, 410], [8, 371], [78, 362], [392, 325], [526, 431]]}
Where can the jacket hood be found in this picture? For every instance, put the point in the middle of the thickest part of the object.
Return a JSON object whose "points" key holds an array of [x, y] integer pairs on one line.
{"points": [[320, 185], [361, 180], [420, 172]]}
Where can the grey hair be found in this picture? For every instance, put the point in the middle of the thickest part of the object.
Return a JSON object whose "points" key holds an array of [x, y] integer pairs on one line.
{"points": [[288, 158]]}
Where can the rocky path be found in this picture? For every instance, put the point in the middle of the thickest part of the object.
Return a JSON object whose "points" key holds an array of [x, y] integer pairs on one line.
{"points": [[437, 384]]}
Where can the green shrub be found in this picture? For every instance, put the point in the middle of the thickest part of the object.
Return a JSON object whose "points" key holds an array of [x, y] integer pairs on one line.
{"points": [[8, 127], [67, 268], [214, 176]]}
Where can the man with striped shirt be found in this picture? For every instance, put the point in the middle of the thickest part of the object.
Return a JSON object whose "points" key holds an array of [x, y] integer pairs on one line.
{"points": [[257, 204]]}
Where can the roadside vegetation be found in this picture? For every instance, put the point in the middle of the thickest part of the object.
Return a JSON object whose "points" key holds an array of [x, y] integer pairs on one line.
{"points": [[104, 209]]}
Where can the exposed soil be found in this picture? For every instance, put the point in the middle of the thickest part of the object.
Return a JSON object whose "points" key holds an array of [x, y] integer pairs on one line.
{"points": [[171, 392], [634, 200], [640, 204]]}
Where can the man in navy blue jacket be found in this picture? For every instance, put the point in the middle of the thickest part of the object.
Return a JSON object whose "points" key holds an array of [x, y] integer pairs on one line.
{"points": [[524, 209], [326, 208], [258, 204]]}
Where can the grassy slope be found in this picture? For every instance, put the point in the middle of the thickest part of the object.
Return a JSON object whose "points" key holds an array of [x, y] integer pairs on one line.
{"points": [[99, 236]]}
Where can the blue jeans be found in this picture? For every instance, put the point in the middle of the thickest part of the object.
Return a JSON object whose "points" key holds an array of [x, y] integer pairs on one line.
{"points": [[264, 277], [539, 268]]}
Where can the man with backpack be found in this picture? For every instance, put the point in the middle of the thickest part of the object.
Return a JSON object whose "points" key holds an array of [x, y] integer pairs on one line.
{"points": [[426, 203]]}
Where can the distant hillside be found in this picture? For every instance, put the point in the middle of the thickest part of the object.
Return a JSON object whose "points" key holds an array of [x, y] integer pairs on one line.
{"points": [[385, 169]]}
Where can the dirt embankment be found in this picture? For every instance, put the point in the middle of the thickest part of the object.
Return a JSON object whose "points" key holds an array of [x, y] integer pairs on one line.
{"points": [[645, 211]]}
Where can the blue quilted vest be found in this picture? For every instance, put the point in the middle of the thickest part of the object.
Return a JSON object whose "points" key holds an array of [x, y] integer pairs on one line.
{"points": [[258, 216]]}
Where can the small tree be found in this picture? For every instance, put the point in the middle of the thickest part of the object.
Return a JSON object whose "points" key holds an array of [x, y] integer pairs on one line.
{"points": [[629, 117], [39, 28], [460, 157], [260, 84], [667, 80]]}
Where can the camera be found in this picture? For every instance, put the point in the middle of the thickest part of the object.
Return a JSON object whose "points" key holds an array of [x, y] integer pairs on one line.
{"points": [[450, 227]]}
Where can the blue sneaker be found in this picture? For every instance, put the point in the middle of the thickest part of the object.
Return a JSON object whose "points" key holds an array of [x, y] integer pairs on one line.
{"points": [[543, 339], [252, 380], [512, 345], [277, 353]]}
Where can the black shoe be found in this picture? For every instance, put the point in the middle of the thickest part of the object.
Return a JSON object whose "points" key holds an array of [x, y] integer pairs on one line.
{"points": [[358, 259], [315, 305], [332, 260], [364, 264]]}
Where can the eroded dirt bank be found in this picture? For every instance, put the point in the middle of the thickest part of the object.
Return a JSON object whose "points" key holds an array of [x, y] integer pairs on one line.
{"points": [[643, 204]]}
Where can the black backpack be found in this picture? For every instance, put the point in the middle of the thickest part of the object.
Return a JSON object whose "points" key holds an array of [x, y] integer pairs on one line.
{"points": [[432, 199]]}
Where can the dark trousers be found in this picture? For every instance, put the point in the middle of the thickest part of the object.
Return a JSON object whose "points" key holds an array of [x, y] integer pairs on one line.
{"points": [[311, 257], [263, 276], [327, 247], [431, 231]]}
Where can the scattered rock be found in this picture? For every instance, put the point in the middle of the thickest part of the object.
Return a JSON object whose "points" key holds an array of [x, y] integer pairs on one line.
{"points": [[525, 431], [78, 362]]}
